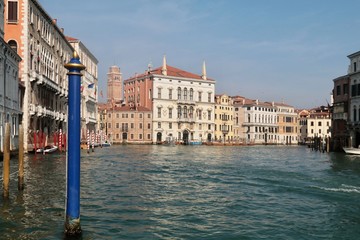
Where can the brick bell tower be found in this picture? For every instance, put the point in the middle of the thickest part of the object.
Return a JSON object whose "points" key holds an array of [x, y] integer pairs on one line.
{"points": [[114, 85]]}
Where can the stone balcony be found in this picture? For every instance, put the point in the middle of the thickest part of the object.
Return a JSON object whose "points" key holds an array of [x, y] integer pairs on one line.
{"points": [[186, 119], [186, 102]]}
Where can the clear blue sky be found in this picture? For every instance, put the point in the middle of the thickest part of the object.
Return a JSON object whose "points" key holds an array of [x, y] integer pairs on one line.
{"points": [[278, 50]]}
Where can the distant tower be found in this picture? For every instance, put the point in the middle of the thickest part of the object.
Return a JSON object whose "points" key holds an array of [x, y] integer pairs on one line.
{"points": [[114, 85]]}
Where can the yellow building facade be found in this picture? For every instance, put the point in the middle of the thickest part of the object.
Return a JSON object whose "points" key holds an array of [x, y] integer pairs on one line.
{"points": [[224, 122]]}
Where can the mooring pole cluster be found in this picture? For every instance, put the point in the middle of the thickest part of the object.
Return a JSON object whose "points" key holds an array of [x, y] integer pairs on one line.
{"points": [[72, 218]]}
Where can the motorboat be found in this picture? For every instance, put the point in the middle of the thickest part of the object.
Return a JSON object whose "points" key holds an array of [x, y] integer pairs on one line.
{"points": [[106, 144], [352, 150], [47, 149]]}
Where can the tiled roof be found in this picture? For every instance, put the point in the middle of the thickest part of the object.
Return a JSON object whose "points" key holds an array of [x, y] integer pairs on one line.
{"points": [[71, 39], [172, 72]]}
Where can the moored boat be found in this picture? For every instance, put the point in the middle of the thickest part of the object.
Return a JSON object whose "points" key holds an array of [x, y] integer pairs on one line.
{"points": [[352, 150], [106, 144], [47, 149]]}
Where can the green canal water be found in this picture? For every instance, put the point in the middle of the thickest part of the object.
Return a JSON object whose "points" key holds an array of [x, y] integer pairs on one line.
{"points": [[190, 192]]}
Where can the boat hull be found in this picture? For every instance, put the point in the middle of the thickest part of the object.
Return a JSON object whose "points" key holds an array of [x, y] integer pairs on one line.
{"points": [[353, 151]]}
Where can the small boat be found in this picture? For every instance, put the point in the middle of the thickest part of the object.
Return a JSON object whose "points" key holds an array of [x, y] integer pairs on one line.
{"points": [[106, 144], [47, 149], [352, 150]]}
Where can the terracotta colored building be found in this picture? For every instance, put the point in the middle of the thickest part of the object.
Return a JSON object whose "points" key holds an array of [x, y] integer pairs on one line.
{"points": [[43, 48], [340, 113], [125, 124], [287, 124]]}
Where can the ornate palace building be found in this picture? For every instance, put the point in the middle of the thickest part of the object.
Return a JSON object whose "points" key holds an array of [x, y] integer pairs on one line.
{"points": [[182, 103], [89, 86], [224, 121], [44, 50], [10, 89], [287, 120], [259, 123]]}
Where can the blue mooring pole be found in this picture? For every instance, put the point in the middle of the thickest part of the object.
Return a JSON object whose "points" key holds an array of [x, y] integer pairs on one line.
{"points": [[72, 219]]}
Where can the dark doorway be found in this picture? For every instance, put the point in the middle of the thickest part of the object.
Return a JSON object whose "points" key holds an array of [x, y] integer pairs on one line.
{"points": [[209, 137], [186, 137], [124, 136], [158, 137]]}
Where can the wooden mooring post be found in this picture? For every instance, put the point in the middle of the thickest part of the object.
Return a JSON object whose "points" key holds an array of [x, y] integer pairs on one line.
{"points": [[6, 162], [21, 159]]}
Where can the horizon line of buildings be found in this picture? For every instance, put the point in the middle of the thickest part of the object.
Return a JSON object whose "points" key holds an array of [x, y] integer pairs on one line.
{"points": [[165, 102]]}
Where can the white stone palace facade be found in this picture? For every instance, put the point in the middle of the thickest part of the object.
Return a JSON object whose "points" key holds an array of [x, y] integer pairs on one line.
{"points": [[89, 88], [182, 103]]}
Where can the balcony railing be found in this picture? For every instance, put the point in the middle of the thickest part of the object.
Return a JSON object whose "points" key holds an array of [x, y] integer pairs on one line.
{"points": [[186, 119], [187, 101]]}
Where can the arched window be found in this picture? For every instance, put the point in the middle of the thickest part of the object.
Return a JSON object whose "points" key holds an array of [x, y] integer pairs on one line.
{"points": [[179, 111], [191, 94], [185, 112], [185, 93], [179, 93], [13, 45], [191, 112]]}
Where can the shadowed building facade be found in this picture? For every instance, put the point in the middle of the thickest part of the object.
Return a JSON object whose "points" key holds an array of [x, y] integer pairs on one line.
{"points": [[44, 50]]}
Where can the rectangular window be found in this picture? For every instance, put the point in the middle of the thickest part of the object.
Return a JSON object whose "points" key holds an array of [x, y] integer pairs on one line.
{"points": [[149, 125], [159, 93], [170, 125], [148, 136], [209, 115], [209, 97], [117, 125], [346, 89], [131, 136], [12, 11], [319, 124], [140, 125], [209, 127], [170, 94], [200, 96], [353, 90], [131, 125], [159, 112], [170, 112], [338, 90], [140, 136], [159, 124]]}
